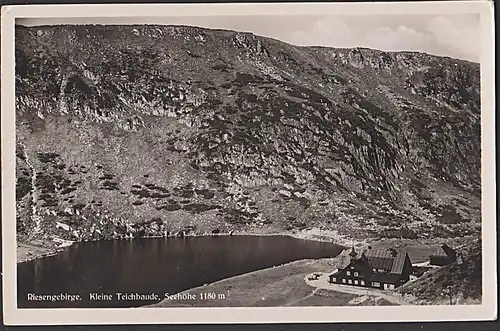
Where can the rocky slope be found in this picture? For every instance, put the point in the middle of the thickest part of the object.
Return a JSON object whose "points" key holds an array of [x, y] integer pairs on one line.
{"points": [[463, 278], [152, 130]]}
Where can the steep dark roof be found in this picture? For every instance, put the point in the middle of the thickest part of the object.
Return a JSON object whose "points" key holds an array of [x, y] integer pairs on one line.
{"points": [[390, 261], [380, 259], [444, 251], [399, 263]]}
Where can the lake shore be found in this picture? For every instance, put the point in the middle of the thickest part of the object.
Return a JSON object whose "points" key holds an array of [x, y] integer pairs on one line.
{"points": [[39, 249], [31, 251]]}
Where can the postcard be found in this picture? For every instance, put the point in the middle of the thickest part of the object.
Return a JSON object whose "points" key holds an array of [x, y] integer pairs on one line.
{"points": [[248, 163]]}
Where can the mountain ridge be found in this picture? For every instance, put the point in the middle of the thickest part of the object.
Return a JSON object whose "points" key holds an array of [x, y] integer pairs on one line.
{"points": [[250, 33]]}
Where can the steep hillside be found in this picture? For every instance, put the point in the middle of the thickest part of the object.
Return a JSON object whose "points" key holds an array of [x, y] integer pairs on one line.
{"points": [[463, 278], [157, 129]]}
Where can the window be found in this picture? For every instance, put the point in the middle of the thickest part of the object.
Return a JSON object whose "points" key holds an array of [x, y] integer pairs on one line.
{"points": [[356, 274], [391, 286], [349, 281], [355, 282], [362, 282], [376, 284], [352, 267], [343, 280], [334, 280], [348, 273], [374, 270]]}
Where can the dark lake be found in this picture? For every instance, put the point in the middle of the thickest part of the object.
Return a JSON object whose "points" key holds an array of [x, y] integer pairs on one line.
{"points": [[157, 265]]}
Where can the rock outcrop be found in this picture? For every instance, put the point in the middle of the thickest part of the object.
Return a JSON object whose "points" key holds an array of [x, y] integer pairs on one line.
{"points": [[144, 130]]}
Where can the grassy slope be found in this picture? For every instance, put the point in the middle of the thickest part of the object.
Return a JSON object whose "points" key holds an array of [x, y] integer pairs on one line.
{"points": [[277, 286]]}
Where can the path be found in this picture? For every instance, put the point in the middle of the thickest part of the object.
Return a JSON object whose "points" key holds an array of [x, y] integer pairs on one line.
{"points": [[322, 283], [303, 298]]}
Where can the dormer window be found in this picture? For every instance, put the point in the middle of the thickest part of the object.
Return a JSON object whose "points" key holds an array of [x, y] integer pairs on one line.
{"points": [[348, 273]]}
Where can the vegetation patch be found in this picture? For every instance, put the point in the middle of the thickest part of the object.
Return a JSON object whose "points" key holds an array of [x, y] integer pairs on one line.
{"points": [[199, 207], [169, 207]]}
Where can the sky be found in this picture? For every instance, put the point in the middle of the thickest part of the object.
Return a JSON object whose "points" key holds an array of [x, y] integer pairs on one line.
{"points": [[456, 36]]}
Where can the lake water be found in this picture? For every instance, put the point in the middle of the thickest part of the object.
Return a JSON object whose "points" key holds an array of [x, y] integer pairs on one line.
{"points": [[159, 265]]}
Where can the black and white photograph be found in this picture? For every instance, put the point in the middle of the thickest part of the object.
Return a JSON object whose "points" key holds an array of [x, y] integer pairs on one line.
{"points": [[275, 159]]}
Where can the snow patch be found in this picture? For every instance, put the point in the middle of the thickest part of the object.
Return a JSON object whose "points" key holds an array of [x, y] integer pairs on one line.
{"points": [[63, 226]]}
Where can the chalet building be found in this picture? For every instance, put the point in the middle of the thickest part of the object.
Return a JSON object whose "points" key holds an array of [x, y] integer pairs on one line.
{"points": [[384, 269], [443, 256]]}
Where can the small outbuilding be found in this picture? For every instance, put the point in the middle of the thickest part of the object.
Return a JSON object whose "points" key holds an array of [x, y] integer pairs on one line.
{"points": [[443, 256]]}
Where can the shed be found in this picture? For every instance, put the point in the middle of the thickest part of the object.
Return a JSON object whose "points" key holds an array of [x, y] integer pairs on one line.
{"points": [[443, 256]]}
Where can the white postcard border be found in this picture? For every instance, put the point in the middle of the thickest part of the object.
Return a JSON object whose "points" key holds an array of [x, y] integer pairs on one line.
{"points": [[14, 316]]}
